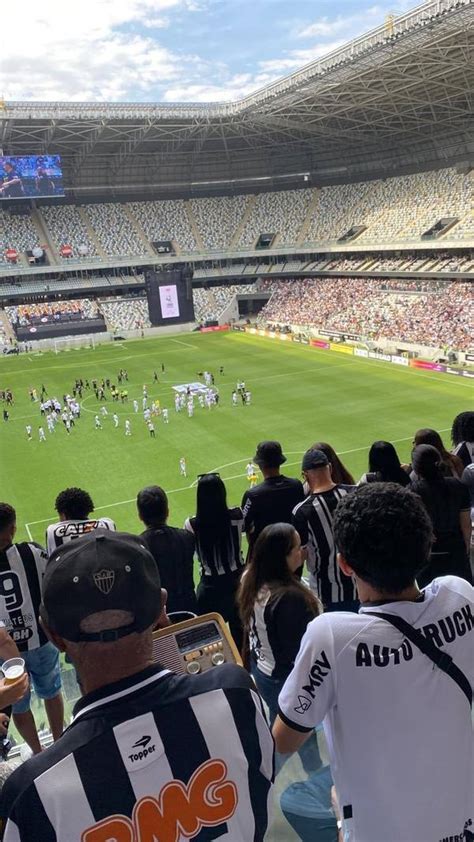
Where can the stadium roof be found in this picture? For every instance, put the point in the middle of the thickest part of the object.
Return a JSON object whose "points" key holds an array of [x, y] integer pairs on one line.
{"points": [[399, 98]]}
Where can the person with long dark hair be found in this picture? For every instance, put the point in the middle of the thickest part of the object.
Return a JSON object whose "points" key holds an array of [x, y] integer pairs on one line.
{"points": [[450, 465], [462, 437], [384, 465], [218, 534], [339, 471], [447, 502], [275, 609]]}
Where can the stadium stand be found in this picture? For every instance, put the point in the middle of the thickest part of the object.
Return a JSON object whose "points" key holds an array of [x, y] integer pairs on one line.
{"points": [[399, 208], [166, 220], [375, 309], [280, 213], [31, 314], [217, 219], [67, 227], [114, 230], [210, 303], [125, 313], [18, 232]]}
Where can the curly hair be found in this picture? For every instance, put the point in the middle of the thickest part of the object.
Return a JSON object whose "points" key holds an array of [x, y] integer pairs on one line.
{"points": [[74, 503], [7, 516], [463, 428], [385, 534]]}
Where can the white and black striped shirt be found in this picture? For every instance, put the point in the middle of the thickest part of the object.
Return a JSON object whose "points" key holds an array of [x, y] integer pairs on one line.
{"points": [[277, 625], [220, 553], [155, 756], [22, 568], [60, 533], [313, 518]]}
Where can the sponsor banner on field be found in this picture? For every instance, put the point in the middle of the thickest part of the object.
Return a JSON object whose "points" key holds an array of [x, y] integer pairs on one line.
{"points": [[352, 336], [399, 360], [375, 355], [427, 365], [470, 358], [214, 328], [284, 336], [360, 352], [342, 349], [466, 373], [303, 340], [241, 328], [319, 343]]}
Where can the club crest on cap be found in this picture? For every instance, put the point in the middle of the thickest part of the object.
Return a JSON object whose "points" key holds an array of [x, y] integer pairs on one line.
{"points": [[104, 580]]}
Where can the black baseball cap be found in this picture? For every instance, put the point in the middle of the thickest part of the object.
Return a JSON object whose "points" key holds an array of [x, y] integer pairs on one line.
{"points": [[101, 571], [314, 459], [269, 454]]}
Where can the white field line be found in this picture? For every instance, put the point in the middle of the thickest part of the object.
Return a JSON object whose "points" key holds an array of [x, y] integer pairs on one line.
{"points": [[218, 468], [185, 344]]}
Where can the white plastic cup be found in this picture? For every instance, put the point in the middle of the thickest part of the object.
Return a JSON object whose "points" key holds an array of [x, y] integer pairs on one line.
{"points": [[13, 670]]}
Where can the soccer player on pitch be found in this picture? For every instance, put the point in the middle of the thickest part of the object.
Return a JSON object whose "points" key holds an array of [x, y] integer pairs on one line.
{"points": [[128, 428], [182, 467]]}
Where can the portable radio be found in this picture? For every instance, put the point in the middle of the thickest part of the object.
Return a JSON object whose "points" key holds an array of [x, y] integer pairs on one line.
{"points": [[195, 645]]}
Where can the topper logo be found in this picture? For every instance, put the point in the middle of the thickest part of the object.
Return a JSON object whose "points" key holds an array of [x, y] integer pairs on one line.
{"points": [[179, 811]]}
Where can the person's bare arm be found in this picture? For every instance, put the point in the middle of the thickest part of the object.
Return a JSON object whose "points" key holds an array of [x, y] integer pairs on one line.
{"points": [[8, 649], [465, 523], [288, 740]]}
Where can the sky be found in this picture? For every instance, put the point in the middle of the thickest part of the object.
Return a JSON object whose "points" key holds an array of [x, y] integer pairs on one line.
{"points": [[170, 50]]}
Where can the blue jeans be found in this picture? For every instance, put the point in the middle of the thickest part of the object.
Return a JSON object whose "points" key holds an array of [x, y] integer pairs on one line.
{"points": [[269, 689], [42, 664]]}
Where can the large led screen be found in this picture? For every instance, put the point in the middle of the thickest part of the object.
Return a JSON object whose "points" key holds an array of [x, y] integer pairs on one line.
{"points": [[30, 176]]}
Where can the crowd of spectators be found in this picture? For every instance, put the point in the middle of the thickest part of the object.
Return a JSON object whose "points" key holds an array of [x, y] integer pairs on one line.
{"points": [[97, 595], [55, 311], [67, 228], [370, 308]]}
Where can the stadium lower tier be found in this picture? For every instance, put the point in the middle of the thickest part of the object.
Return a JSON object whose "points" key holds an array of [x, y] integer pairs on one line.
{"points": [[429, 313]]}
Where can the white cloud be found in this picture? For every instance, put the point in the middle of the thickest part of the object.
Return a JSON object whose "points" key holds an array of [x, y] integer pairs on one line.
{"points": [[81, 51]]}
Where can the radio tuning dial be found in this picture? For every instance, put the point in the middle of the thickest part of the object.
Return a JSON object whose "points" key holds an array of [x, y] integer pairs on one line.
{"points": [[193, 667], [218, 658]]}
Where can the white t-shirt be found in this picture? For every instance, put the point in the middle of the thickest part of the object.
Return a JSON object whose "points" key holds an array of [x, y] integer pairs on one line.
{"points": [[60, 533], [399, 730]]}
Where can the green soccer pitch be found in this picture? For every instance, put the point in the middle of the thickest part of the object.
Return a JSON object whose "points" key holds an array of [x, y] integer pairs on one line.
{"points": [[299, 395]]}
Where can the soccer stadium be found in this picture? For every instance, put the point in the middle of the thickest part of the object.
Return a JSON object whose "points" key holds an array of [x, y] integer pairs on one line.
{"points": [[191, 296]]}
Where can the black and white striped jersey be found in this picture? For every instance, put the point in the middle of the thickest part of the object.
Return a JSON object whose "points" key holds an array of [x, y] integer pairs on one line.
{"points": [[22, 568], [155, 756], [60, 533], [313, 518], [219, 554], [465, 451], [277, 625]]}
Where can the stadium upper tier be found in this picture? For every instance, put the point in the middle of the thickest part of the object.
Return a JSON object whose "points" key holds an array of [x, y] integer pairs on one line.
{"points": [[394, 210]]}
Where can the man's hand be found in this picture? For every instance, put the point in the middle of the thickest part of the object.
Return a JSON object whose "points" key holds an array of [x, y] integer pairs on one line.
{"points": [[8, 649], [163, 620], [11, 693]]}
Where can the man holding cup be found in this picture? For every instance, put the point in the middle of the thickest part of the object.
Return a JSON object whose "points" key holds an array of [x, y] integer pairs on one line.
{"points": [[22, 568], [149, 753]]}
